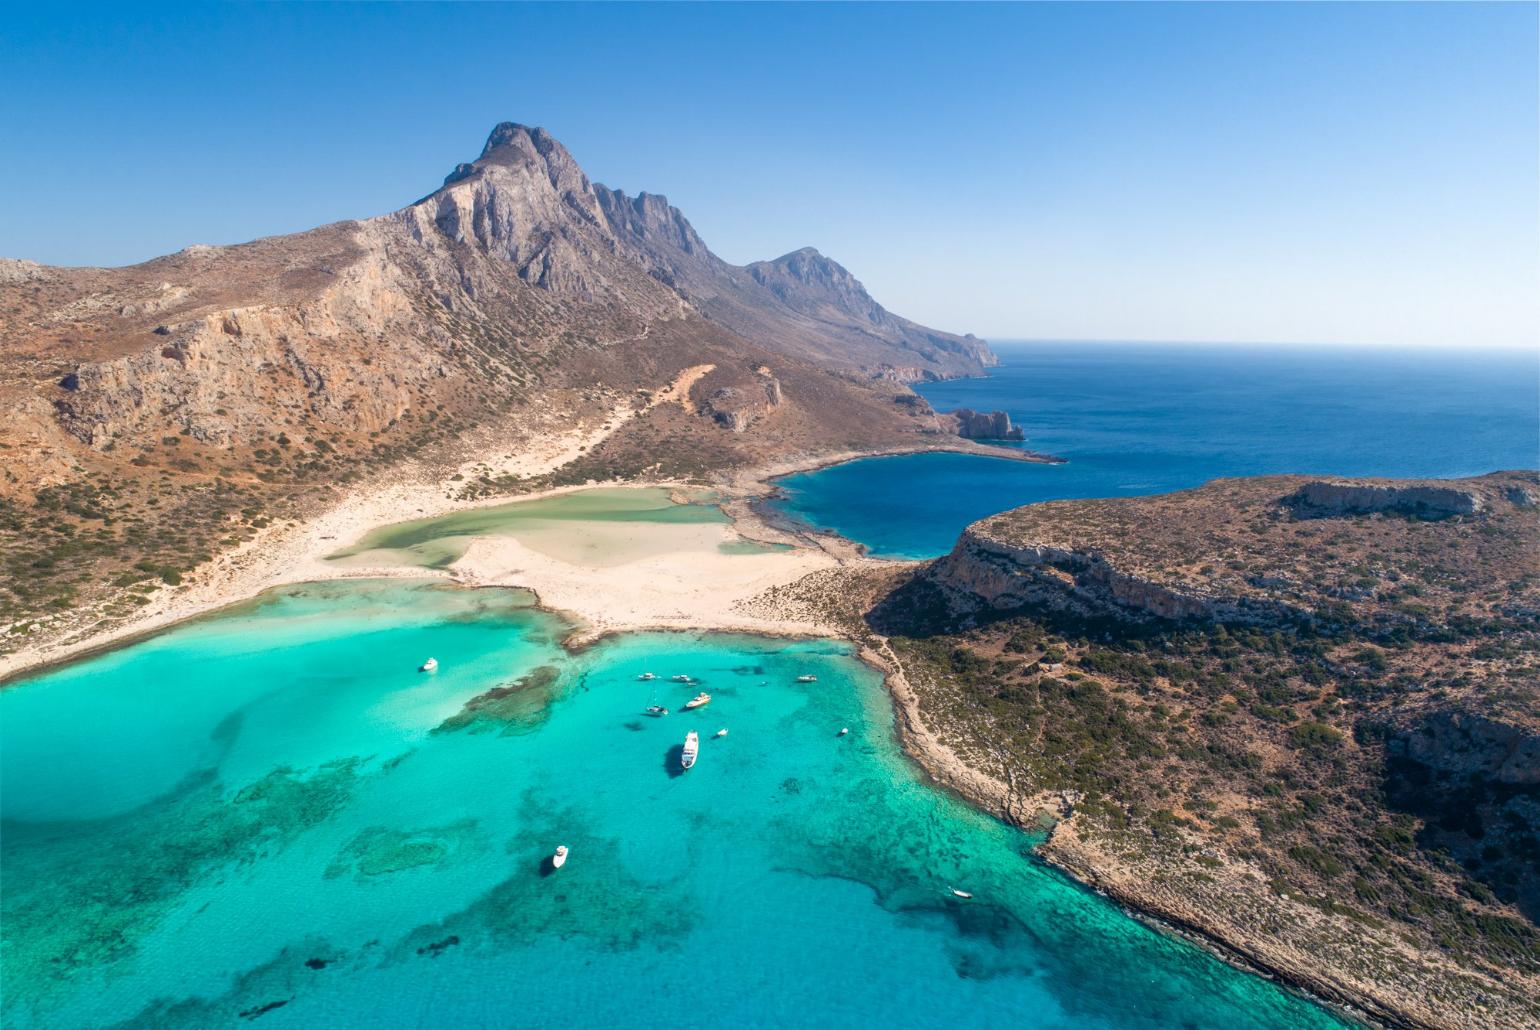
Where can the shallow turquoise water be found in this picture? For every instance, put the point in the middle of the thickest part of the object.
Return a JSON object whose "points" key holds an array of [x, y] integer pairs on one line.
{"points": [[272, 813], [593, 525], [1146, 418]]}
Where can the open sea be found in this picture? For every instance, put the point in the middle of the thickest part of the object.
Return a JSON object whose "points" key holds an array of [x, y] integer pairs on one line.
{"points": [[1149, 418]]}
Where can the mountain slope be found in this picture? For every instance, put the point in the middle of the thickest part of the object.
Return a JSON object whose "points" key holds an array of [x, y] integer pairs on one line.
{"points": [[219, 387], [802, 303]]}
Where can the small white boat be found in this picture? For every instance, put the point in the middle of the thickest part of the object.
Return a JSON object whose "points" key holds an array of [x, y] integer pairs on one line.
{"points": [[431, 665], [844, 730], [646, 676], [721, 733], [702, 698], [657, 711], [681, 678], [560, 858], [807, 679], [961, 894], [691, 750]]}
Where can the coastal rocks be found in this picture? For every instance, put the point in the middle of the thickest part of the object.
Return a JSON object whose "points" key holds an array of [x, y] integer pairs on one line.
{"points": [[986, 425], [1324, 497]]}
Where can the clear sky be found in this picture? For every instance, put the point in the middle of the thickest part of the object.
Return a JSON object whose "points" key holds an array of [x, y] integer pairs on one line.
{"points": [[1300, 172]]}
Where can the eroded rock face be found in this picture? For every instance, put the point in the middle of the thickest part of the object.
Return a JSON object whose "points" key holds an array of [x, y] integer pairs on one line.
{"points": [[1465, 744], [986, 425], [737, 407], [1474, 780], [985, 574], [1430, 502]]}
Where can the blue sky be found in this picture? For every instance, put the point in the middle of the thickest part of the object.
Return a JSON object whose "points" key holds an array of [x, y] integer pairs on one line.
{"points": [[1305, 172]]}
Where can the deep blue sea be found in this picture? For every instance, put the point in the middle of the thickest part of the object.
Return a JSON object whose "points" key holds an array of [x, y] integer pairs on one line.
{"points": [[1149, 418]]}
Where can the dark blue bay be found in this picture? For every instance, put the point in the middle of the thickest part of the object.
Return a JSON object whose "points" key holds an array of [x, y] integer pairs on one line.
{"points": [[1148, 418]]}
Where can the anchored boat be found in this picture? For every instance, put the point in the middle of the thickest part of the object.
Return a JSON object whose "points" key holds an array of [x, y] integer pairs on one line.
{"points": [[657, 711], [428, 666], [702, 698], [807, 679], [691, 750], [560, 858], [646, 676]]}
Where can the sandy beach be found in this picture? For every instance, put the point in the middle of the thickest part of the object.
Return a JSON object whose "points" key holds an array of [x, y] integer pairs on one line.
{"points": [[688, 584]]}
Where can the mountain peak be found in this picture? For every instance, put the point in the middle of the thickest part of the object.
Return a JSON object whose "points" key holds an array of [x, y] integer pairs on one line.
{"points": [[513, 134]]}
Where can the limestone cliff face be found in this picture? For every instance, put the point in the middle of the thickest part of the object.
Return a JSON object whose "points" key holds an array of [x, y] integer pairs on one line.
{"points": [[983, 573], [986, 425], [738, 407], [1336, 497]]}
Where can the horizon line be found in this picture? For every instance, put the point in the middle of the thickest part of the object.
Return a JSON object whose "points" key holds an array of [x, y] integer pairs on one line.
{"points": [[1532, 348]]}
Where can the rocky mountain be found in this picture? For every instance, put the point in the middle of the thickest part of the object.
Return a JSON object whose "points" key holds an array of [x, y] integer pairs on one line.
{"points": [[218, 381], [1300, 716]]}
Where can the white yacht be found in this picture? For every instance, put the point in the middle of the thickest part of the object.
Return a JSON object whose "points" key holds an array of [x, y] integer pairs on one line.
{"points": [[691, 750], [431, 665], [560, 858], [702, 698]]}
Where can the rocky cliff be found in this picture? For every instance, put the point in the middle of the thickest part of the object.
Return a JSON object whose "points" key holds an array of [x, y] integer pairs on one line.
{"points": [[986, 425]]}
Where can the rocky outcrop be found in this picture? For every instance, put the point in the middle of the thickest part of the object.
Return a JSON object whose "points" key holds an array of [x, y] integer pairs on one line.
{"points": [[984, 575], [1464, 744], [1334, 497], [738, 407], [1474, 780], [986, 425]]}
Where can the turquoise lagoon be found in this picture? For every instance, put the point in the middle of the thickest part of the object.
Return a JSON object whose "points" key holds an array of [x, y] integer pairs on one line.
{"points": [[270, 816]]}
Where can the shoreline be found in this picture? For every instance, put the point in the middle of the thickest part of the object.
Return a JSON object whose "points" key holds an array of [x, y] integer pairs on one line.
{"points": [[562, 591], [296, 552]]}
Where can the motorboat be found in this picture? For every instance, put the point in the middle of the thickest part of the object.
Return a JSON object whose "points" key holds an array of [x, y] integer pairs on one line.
{"points": [[560, 858], [721, 733], [681, 678], [647, 676], [657, 711], [807, 679], [702, 698], [691, 750], [961, 894], [843, 730], [431, 665]]}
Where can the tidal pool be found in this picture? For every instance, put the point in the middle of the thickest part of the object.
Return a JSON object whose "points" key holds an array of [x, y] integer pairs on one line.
{"points": [[271, 814]]}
